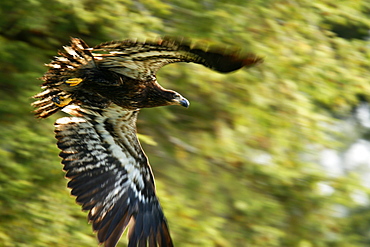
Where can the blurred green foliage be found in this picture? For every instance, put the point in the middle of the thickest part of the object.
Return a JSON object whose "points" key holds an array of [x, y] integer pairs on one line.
{"points": [[240, 166]]}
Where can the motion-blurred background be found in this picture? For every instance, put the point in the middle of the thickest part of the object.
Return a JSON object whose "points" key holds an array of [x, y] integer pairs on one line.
{"points": [[277, 155]]}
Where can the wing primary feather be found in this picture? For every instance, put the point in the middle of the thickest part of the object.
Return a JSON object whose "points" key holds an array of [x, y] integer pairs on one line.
{"points": [[112, 240], [115, 216]]}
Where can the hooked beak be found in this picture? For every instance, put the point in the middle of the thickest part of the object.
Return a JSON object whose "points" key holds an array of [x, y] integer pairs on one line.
{"points": [[184, 102], [179, 100]]}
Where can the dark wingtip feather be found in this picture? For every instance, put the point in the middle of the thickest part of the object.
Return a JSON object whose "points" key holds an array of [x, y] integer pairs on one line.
{"points": [[214, 57], [225, 62]]}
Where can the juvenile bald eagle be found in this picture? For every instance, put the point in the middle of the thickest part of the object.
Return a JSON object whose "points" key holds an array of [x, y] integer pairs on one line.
{"points": [[103, 89]]}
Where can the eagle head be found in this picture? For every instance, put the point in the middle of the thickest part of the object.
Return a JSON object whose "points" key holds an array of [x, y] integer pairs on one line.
{"points": [[101, 87]]}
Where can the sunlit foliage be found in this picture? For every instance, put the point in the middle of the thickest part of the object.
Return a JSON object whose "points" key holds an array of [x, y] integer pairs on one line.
{"points": [[240, 167]]}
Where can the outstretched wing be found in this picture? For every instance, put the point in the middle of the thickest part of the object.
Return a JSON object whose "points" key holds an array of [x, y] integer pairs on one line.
{"points": [[110, 176], [148, 57], [137, 60]]}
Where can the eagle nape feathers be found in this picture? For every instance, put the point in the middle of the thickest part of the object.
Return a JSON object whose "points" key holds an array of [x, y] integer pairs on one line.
{"points": [[103, 88]]}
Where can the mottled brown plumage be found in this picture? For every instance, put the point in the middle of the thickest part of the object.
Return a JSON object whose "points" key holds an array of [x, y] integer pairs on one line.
{"points": [[103, 88]]}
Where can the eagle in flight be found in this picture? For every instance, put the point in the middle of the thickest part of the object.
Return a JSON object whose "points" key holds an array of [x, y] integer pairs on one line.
{"points": [[103, 88]]}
